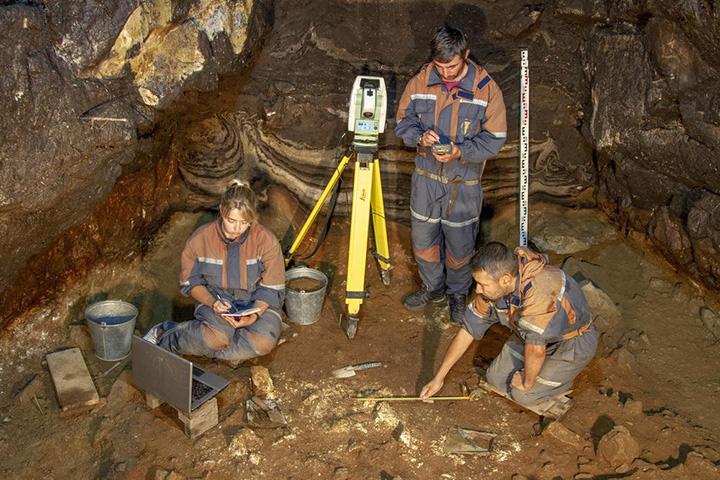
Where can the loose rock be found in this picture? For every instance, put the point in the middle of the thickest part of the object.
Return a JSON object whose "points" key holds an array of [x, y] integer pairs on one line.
{"points": [[341, 473], [633, 407], [32, 389], [564, 234], [699, 467], [560, 432], [262, 382], [244, 442], [617, 447], [710, 320]]}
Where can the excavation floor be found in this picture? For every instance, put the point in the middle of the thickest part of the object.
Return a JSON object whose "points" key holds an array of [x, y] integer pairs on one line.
{"points": [[656, 375]]}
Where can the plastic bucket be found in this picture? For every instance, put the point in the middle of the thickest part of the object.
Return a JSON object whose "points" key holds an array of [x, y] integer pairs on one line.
{"points": [[304, 306], [111, 324]]}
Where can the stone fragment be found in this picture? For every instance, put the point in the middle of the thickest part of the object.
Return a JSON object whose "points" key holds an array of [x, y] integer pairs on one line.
{"points": [[633, 407], [583, 476], [624, 468], [617, 447], [710, 320], [244, 442], [569, 232], [283, 87], [698, 466], [560, 432], [518, 476], [341, 473], [121, 467], [660, 285], [161, 474], [605, 313], [262, 382], [31, 389]]}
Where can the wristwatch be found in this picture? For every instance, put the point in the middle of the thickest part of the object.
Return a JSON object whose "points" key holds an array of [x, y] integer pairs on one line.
{"points": [[419, 139]]}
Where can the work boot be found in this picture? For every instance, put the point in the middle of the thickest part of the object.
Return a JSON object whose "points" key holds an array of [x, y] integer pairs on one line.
{"points": [[457, 308], [420, 298]]}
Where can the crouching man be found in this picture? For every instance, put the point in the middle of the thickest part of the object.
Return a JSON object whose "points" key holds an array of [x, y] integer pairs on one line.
{"points": [[553, 337]]}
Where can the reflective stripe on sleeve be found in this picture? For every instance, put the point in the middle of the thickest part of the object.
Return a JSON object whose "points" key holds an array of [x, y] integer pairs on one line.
{"points": [[515, 354], [530, 326], [549, 383], [214, 261]]}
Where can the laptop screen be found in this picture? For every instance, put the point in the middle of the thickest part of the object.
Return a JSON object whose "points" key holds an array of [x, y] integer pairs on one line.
{"points": [[161, 373]]}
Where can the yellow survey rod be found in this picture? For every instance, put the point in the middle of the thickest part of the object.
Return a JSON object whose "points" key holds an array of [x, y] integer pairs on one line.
{"points": [[318, 206], [408, 399]]}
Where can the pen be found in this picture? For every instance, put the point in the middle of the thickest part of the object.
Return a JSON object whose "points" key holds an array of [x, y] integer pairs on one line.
{"points": [[219, 298]]}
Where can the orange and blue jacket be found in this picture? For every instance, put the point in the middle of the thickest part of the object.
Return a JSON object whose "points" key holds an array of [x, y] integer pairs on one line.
{"points": [[247, 269], [471, 115], [547, 306]]}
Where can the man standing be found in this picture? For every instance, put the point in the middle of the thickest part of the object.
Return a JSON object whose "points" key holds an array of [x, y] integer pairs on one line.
{"points": [[455, 104], [553, 335]]}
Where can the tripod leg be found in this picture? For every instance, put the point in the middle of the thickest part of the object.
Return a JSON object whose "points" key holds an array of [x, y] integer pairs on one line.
{"points": [[379, 225], [359, 224], [318, 206]]}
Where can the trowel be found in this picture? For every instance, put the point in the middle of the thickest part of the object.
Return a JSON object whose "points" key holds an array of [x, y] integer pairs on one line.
{"points": [[349, 371]]}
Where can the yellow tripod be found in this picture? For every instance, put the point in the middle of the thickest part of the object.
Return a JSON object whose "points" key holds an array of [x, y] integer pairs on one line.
{"points": [[367, 199]]}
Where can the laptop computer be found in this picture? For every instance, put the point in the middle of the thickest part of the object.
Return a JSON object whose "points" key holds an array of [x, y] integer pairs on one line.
{"points": [[171, 378]]}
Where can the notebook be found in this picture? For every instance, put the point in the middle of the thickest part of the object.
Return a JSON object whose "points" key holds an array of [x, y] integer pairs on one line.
{"points": [[171, 378]]}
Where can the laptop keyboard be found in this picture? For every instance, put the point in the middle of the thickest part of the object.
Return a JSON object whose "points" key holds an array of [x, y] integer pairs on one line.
{"points": [[199, 390]]}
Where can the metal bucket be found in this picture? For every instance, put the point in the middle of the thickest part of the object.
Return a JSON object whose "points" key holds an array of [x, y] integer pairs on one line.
{"points": [[304, 307], [111, 324]]}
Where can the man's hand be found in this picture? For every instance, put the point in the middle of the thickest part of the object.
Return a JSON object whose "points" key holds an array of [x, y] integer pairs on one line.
{"points": [[432, 387], [454, 155], [428, 138], [240, 322], [518, 381]]}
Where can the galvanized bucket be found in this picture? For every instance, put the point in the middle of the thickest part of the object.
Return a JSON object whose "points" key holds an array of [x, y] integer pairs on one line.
{"points": [[304, 307], [111, 324]]}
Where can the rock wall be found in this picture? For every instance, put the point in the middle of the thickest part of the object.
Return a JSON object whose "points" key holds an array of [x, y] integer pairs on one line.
{"points": [[90, 91], [655, 126], [145, 107]]}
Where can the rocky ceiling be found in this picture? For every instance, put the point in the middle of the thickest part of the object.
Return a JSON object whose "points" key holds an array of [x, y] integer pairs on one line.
{"points": [[116, 113]]}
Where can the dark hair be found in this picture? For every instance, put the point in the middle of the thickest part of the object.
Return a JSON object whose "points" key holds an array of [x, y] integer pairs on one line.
{"points": [[239, 195], [495, 259], [447, 43]]}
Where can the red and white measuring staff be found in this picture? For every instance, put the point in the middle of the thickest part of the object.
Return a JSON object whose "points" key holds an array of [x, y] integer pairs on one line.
{"points": [[524, 144]]}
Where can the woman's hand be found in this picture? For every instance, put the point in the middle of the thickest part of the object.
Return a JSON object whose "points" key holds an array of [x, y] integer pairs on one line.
{"points": [[240, 322], [220, 306]]}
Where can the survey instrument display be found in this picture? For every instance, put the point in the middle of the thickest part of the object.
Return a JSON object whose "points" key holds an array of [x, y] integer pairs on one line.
{"points": [[368, 110]]}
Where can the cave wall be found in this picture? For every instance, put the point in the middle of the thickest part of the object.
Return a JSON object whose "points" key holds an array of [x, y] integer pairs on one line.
{"points": [[90, 93], [116, 113], [655, 126]]}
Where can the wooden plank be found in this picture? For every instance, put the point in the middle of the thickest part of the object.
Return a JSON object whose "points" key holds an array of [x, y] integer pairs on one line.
{"points": [[72, 380]]}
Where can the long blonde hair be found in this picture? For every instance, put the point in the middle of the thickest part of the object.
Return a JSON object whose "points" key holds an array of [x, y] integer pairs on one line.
{"points": [[240, 196]]}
